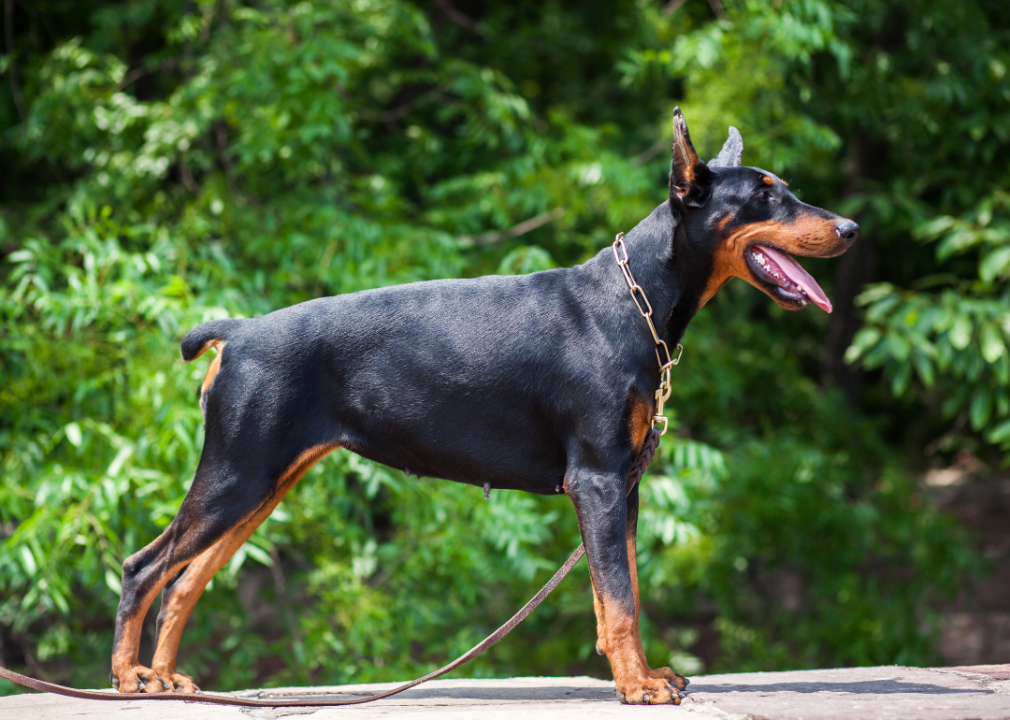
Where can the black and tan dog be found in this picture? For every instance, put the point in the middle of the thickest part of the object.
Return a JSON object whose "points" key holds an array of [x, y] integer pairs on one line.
{"points": [[543, 383]]}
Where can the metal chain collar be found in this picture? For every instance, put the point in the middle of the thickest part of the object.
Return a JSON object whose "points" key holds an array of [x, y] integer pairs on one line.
{"points": [[662, 351]]}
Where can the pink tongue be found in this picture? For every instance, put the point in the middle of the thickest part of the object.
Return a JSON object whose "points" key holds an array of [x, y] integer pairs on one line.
{"points": [[798, 275]]}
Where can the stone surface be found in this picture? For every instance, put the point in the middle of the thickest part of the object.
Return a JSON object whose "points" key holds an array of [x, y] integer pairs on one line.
{"points": [[865, 693], [884, 693]]}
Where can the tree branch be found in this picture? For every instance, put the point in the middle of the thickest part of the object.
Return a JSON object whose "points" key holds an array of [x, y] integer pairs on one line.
{"points": [[187, 176], [651, 152], [492, 238], [457, 17], [140, 72], [15, 88]]}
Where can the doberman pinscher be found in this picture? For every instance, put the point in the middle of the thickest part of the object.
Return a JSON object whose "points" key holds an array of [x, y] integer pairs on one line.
{"points": [[542, 382]]}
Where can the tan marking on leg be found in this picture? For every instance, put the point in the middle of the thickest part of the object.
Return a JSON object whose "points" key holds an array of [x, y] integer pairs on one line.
{"points": [[663, 673], [614, 627], [639, 423], [634, 680], [633, 566], [127, 654], [184, 595], [622, 648], [190, 586], [601, 622], [126, 658]]}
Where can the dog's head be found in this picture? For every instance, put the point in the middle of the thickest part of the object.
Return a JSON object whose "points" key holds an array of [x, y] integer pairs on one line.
{"points": [[750, 223]]}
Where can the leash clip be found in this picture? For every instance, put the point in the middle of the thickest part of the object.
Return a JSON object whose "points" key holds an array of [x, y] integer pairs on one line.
{"points": [[662, 395], [656, 419]]}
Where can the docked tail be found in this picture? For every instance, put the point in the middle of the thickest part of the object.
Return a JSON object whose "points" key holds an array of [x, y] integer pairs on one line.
{"points": [[203, 336]]}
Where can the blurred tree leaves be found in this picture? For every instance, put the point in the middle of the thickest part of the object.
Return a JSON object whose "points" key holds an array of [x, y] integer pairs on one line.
{"points": [[173, 162], [951, 331]]}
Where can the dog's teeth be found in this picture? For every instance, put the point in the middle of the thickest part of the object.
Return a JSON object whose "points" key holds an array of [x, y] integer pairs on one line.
{"points": [[774, 271]]}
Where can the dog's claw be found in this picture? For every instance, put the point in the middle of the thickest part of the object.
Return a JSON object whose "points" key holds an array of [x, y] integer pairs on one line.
{"points": [[175, 681], [598, 650], [675, 695], [665, 673], [183, 684]]}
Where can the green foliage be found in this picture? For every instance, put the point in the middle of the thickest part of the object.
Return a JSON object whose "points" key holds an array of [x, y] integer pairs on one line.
{"points": [[171, 163], [952, 339]]}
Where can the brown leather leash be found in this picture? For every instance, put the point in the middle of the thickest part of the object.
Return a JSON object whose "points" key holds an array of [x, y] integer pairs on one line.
{"points": [[634, 477]]}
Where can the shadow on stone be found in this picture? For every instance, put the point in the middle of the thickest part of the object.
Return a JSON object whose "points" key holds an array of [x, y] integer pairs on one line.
{"points": [[497, 692], [864, 687]]}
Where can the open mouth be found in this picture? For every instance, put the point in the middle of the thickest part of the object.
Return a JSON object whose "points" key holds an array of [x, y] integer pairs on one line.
{"points": [[789, 283]]}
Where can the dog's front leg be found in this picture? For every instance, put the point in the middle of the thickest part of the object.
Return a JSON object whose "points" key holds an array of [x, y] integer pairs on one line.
{"points": [[603, 511], [631, 536]]}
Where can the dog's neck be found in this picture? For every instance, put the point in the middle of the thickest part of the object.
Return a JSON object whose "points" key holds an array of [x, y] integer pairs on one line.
{"points": [[670, 269]]}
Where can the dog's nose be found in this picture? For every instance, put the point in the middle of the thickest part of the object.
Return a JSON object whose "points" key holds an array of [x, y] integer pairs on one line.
{"points": [[847, 230]]}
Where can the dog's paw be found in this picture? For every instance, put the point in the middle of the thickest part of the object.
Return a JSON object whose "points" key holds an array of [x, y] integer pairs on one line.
{"points": [[138, 678], [177, 682], [650, 691], [666, 673]]}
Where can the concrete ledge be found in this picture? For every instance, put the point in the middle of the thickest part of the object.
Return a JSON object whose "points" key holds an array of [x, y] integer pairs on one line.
{"points": [[884, 693]]}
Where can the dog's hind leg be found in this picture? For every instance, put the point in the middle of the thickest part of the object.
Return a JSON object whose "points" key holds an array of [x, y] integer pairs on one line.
{"points": [[181, 595], [225, 505]]}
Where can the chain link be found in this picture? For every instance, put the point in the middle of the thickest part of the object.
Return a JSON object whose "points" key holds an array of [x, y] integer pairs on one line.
{"points": [[663, 357]]}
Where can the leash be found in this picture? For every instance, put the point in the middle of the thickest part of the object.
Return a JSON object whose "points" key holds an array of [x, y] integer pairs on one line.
{"points": [[638, 467], [247, 702], [634, 477]]}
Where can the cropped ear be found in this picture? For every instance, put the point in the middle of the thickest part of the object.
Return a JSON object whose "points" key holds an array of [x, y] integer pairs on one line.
{"points": [[731, 154], [690, 178]]}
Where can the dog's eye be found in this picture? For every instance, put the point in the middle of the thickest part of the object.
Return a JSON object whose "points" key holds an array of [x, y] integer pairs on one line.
{"points": [[763, 195]]}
